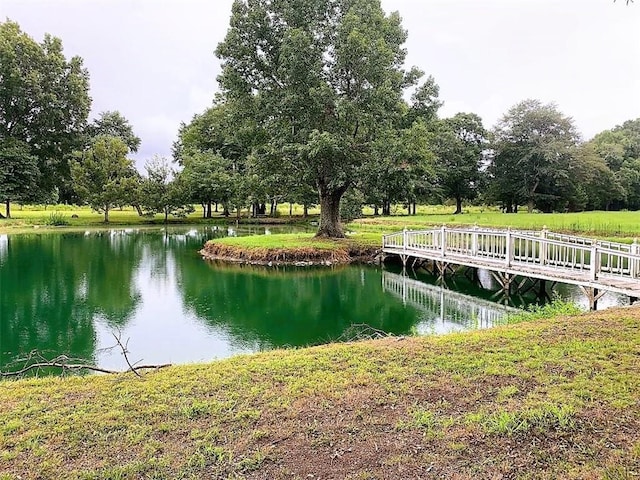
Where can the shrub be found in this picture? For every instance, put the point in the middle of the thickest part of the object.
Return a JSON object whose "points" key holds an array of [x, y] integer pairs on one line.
{"points": [[56, 219]]}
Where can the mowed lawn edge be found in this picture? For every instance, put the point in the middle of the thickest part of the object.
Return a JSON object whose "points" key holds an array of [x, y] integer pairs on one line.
{"points": [[553, 398]]}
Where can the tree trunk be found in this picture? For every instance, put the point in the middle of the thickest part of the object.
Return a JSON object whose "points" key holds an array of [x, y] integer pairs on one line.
{"points": [[216, 207], [209, 209], [138, 209], [166, 216], [376, 211], [415, 205], [204, 210], [530, 206], [458, 206], [305, 213], [330, 214], [7, 208], [106, 215], [290, 209]]}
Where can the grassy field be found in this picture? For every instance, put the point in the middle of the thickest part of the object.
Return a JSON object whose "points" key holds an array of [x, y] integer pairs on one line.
{"points": [[551, 399], [602, 224]]}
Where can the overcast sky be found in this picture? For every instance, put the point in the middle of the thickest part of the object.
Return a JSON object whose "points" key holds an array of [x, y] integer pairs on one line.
{"points": [[153, 59]]}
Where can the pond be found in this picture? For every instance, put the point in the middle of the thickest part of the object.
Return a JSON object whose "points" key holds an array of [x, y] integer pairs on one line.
{"points": [[71, 292]]}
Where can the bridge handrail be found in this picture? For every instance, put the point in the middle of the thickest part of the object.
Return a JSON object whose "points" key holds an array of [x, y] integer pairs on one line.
{"points": [[567, 252]]}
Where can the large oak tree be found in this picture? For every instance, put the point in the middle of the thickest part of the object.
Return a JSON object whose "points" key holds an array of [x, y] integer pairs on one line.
{"points": [[325, 78]]}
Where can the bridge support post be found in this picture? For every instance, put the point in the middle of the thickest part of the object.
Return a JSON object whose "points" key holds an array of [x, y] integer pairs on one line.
{"points": [[593, 295], [504, 280], [542, 291], [442, 269]]}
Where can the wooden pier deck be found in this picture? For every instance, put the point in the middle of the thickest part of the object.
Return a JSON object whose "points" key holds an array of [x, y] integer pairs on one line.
{"points": [[596, 266]]}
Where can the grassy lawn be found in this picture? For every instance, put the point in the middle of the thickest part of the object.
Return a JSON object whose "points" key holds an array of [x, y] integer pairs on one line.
{"points": [[602, 224], [552, 399]]}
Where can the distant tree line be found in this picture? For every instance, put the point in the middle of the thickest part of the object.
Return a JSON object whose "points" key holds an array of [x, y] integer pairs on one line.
{"points": [[315, 108]]}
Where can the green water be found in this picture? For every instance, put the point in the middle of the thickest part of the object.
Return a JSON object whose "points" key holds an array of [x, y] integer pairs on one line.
{"points": [[69, 293]]}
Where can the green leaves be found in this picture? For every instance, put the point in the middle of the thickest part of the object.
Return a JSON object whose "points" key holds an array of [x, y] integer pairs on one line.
{"points": [[44, 101], [18, 172], [114, 124], [534, 145], [323, 79], [103, 176]]}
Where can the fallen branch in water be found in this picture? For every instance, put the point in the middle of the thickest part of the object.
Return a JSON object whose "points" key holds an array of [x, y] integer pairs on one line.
{"points": [[362, 331], [35, 361]]}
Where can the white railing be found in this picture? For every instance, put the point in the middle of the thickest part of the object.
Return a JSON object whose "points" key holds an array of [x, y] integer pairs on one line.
{"points": [[514, 248]]}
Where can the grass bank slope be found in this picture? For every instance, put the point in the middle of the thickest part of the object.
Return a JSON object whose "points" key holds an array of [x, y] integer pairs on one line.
{"points": [[550, 399]]}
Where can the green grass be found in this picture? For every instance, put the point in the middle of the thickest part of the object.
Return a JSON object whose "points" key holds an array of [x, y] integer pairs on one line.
{"points": [[288, 240], [603, 224], [552, 398], [28, 217]]}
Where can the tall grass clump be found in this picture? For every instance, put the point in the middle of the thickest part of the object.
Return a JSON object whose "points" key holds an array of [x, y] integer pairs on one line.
{"points": [[56, 219], [557, 307]]}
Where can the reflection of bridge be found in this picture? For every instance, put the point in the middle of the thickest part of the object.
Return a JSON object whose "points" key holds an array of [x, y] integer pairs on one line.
{"points": [[592, 265], [449, 306]]}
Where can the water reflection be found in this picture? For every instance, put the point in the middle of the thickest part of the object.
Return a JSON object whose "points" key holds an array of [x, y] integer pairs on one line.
{"points": [[69, 292], [263, 308], [443, 310]]}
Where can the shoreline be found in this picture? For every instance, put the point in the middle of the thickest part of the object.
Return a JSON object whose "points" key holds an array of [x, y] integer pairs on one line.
{"points": [[307, 256]]}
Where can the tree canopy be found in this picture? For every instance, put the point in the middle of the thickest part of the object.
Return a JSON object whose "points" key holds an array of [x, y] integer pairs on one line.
{"points": [[103, 176], [533, 146], [114, 124], [44, 103], [324, 79]]}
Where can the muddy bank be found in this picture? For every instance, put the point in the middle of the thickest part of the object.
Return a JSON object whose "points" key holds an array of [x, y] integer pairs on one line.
{"points": [[298, 256]]}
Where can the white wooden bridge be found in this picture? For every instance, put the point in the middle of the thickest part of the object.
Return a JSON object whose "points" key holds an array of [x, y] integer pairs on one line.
{"points": [[453, 310], [594, 265]]}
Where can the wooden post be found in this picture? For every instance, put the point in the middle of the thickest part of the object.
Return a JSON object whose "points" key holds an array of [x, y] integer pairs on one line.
{"points": [[404, 239], [509, 248], [594, 262], [543, 245], [633, 260], [443, 245], [594, 299], [474, 241]]}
